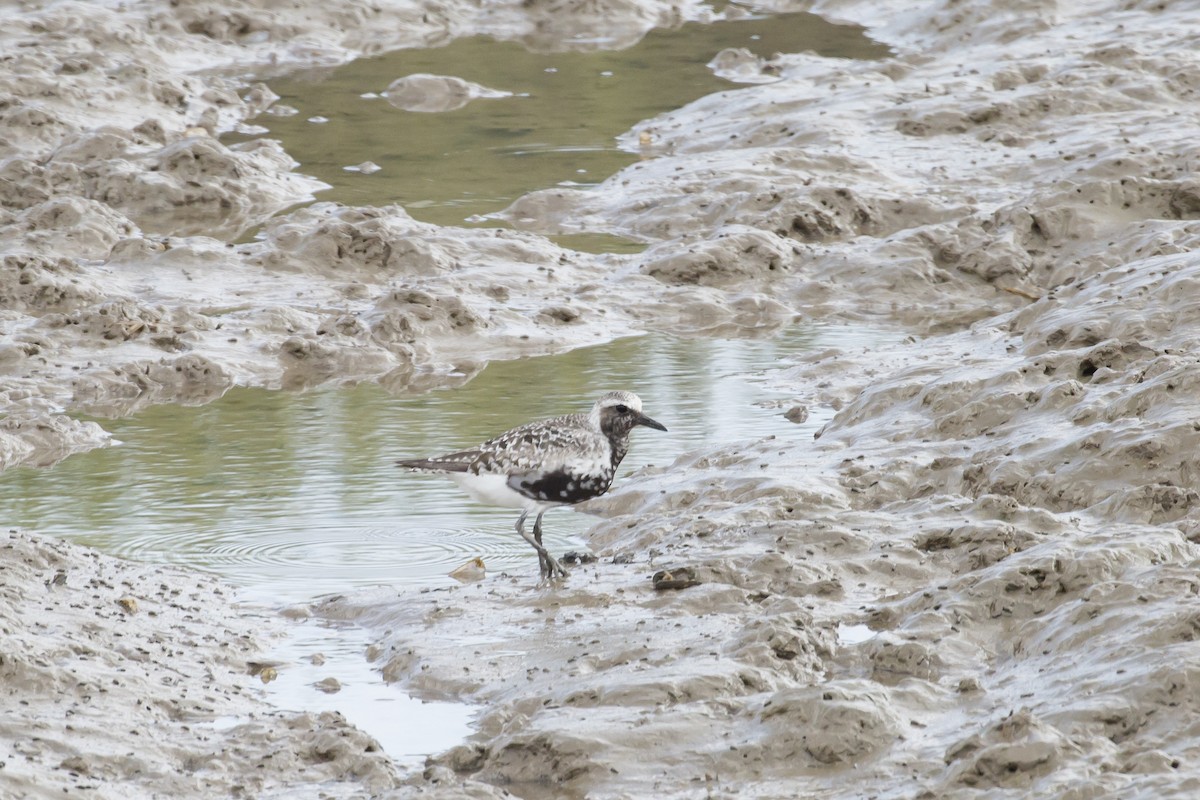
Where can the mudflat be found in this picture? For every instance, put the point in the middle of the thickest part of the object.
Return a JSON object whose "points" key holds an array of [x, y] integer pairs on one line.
{"points": [[978, 579]]}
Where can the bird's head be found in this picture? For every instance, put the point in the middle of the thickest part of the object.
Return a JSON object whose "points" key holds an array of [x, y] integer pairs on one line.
{"points": [[617, 413]]}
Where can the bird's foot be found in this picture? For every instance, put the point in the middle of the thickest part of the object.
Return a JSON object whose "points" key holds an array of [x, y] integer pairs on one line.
{"points": [[550, 568]]}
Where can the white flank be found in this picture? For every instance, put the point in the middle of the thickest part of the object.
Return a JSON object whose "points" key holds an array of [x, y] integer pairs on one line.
{"points": [[493, 489]]}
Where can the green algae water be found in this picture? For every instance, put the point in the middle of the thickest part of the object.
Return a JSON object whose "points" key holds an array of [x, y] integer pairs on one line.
{"points": [[291, 495], [557, 126]]}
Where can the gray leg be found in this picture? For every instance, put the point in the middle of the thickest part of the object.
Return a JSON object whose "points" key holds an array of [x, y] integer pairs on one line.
{"points": [[547, 565], [550, 566]]}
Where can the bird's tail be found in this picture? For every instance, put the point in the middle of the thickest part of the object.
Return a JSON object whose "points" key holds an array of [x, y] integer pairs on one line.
{"points": [[432, 465]]}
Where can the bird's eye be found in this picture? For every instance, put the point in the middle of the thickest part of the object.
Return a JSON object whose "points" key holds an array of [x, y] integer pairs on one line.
{"points": [[622, 409]]}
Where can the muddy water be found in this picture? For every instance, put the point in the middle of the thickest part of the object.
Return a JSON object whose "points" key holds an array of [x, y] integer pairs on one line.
{"points": [[293, 495], [558, 126]]}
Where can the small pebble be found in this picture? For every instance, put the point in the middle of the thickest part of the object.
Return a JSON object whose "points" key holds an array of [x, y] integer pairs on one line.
{"points": [[473, 570], [676, 578], [797, 414], [330, 685]]}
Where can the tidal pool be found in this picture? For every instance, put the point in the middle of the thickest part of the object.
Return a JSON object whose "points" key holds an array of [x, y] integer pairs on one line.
{"points": [[558, 126], [293, 495]]}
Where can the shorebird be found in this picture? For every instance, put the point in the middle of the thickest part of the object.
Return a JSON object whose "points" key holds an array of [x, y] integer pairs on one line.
{"points": [[540, 465]]}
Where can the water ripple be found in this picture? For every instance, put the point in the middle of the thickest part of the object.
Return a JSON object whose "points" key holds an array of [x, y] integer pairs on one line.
{"points": [[292, 495]]}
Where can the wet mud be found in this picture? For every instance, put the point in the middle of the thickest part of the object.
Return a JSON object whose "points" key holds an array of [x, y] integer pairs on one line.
{"points": [[1006, 499]]}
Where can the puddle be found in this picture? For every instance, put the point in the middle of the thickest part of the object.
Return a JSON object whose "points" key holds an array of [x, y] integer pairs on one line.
{"points": [[853, 634], [291, 495], [294, 495], [558, 127], [408, 729]]}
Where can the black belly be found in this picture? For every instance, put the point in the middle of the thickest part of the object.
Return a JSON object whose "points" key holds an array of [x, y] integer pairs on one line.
{"points": [[560, 487]]}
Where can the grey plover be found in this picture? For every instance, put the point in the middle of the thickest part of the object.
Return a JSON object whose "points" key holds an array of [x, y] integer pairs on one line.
{"points": [[541, 465]]}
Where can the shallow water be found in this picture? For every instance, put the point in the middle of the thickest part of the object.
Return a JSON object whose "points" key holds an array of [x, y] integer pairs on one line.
{"points": [[408, 729], [558, 127], [294, 495]]}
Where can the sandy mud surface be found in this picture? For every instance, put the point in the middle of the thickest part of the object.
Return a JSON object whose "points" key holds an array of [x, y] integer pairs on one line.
{"points": [[980, 579], [124, 680]]}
